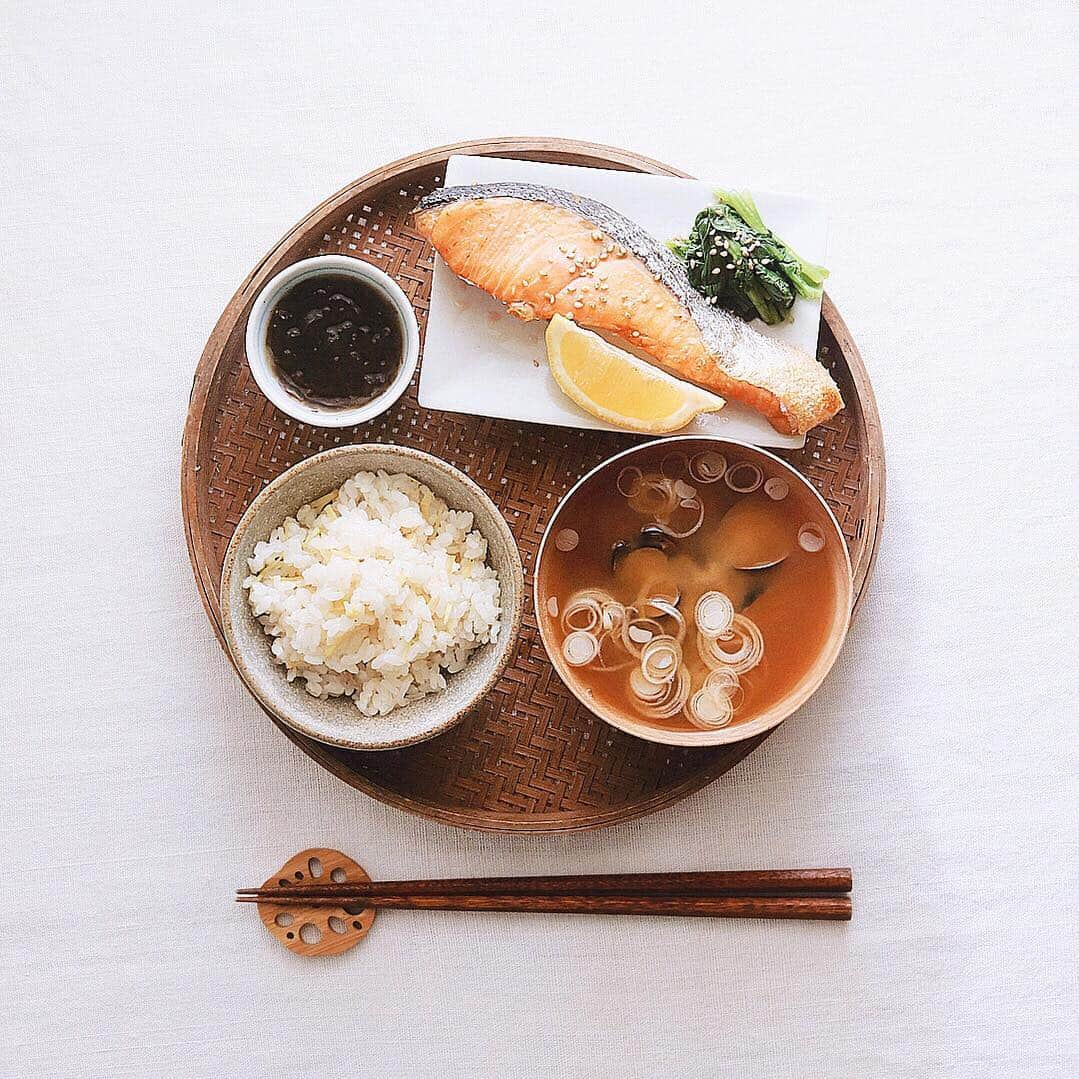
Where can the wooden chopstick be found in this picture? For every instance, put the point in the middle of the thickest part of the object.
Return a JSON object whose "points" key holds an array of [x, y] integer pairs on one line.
{"points": [[763, 893], [821, 907], [758, 882]]}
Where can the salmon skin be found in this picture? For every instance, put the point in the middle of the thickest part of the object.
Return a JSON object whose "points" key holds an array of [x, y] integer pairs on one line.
{"points": [[542, 252]]}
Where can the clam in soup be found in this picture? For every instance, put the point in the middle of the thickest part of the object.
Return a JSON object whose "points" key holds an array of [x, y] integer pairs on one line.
{"points": [[691, 588]]}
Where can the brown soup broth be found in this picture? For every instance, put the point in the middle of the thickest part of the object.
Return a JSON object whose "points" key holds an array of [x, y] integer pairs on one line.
{"points": [[793, 603]]}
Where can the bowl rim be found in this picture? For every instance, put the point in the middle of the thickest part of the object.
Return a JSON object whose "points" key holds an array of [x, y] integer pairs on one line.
{"points": [[506, 649], [736, 732], [256, 348]]}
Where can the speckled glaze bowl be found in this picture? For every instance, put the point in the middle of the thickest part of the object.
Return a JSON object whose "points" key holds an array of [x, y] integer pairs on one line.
{"points": [[336, 720]]}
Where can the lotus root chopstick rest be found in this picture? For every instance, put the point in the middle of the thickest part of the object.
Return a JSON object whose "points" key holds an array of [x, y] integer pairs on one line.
{"points": [[317, 930]]}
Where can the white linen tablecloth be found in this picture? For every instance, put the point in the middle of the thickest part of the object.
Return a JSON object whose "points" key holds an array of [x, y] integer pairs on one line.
{"points": [[150, 155]]}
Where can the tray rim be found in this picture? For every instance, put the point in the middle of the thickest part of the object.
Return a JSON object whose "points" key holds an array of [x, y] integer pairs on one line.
{"points": [[545, 148]]}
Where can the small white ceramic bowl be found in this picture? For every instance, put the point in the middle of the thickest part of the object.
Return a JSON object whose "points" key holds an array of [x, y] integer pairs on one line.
{"points": [[336, 720], [258, 353]]}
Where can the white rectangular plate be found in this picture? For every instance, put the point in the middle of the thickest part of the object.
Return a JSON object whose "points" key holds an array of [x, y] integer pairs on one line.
{"points": [[480, 360]]}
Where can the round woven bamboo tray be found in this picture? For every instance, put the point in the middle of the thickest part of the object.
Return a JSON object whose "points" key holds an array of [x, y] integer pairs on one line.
{"points": [[530, 758]]}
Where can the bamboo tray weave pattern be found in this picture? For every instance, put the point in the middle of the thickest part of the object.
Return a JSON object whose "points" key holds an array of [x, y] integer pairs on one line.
{"points": [[530, 758]]}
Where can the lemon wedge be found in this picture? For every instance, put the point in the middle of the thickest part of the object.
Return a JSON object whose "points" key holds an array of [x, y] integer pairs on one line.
{"points": [[614, 386]]}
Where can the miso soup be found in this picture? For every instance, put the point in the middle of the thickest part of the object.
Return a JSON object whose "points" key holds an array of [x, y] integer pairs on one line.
{"points": [[692, 585]]}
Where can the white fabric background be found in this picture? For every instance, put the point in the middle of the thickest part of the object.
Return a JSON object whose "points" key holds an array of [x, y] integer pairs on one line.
{"points": [[150, 154]]}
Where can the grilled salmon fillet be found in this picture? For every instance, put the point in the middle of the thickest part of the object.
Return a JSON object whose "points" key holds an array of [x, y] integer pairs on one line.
{"points": [[542, 252]]}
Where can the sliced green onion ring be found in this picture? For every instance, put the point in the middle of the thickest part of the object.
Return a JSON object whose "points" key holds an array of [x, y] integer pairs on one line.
{"points": [[684, 519], [777, 488], [612, 615], [748, 653], [744, 477], [811, 538], [580, 648], [709, 711], [661, 659], [654, 497], [708, 467], [722, 680], [645, 691], [673, 700], [673, 465], [638, 631], [714, 613], [566, 540], [584, 609], [669, 610], [629, 481]]}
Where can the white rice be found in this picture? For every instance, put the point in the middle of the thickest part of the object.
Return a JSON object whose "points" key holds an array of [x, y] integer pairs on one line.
{"points": [[376, 591]]}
